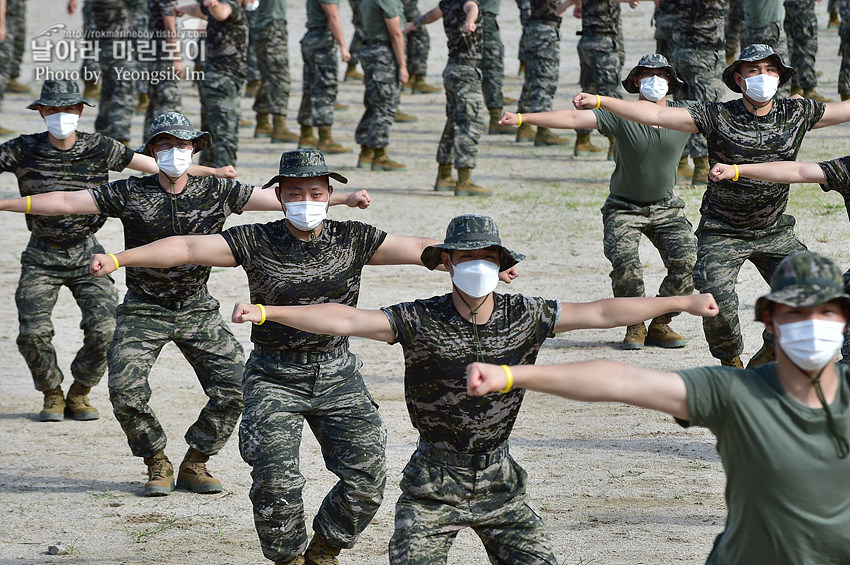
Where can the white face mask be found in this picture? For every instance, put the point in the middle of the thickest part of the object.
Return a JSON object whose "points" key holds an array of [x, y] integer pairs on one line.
{"points": [[811, 344], [761, 88], [62, 124], [251, 6], [174, 162], [476, 278], [653, 88], [306, 215]]}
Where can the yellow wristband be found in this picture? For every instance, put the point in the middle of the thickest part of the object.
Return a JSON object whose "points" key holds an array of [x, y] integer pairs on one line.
{"points": [[510, 376], [29, 204], [114, 258], [735, 178], [262, 314], [598, 102], [519, 118]]}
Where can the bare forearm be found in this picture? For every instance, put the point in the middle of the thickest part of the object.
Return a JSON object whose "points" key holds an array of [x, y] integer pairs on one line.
{"points": [[52, 204], [168, 252], [562, 119], [397, 43], [785, 172], [335, 27], [324, 319]]}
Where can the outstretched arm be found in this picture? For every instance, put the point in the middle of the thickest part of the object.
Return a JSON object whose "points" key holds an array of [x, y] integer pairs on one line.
{"points": [[265, 200], [589, 381], [428, 17], [147, 164], [640, 111], [325, 319], [785, 172], [614, 312], [834, 113], [558, 119], [56, 203], [211, 250]]}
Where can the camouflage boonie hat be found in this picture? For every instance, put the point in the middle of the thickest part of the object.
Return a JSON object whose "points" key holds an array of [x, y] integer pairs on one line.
{"points": [[470, 231], [804, 279], [301, 164], [59, 93], [178, 125], [751, 54], [652, 61]]}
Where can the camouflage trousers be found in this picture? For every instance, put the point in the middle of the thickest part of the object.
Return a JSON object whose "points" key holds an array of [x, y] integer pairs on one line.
{"points": [[700, 70], [45, 268], [774, 36], [600, 65], [273, 60], [664, 24], [734, 22], [139, 21], [319, 54], [220, 113], [418, 41], [464, 108], [252, 69], [117, 95], [524, 7], [441, 493], [16, 17], [721, 251], [197, 329], [15, 13], [380, 97], [801, 27], [356, 44], [164, 96], [844, 49], [845, 348], [280, 394], [666, 226], [492, 62], [542, 66]]}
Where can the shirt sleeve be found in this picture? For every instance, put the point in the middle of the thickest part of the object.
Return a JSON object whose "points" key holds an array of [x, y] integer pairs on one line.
{"points": [[390, 8], [701, 115], [403, 320], [606, 121], [708, 391], [111, 197], [237, 239], [814, 112], [118, 155], [10, 155], [235, 194], [548, 314], [368, 238], [836, 173]]}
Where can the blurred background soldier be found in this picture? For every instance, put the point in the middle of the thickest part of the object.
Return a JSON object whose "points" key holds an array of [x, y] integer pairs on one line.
{"points": [[801, 27], [418, 45], [764, 24], [356, 41], [164, 96], [16, 19]]}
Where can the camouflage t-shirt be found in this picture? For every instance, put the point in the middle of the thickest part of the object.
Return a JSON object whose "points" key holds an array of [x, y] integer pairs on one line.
{"points": [[40, 168], [546, 10], [227, 41], [735, 135], [600, 16], [156, 10], [150, 213], [438, 345], [837, 173], [702, 24], [466, 46], [284, 271]]}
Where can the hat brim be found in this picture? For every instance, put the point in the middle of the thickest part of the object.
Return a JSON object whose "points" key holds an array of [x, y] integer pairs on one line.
{"points": [[277, 178], [790, 297], [785, 72], [202, 139], [56, 102], [673, 84], [432, 255]]}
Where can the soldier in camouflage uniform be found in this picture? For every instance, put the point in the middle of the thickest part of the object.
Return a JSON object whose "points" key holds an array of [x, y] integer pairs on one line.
{"points": [[418, 45], [734, 21], [524, 7], [7, 49], [139, 26], [356, 44], [292, 376], [163, 96], [844, 51], [801, 27], [764, 24], [253, 78], [462, 81], [493, 66], [462, 474], [16, 21]]}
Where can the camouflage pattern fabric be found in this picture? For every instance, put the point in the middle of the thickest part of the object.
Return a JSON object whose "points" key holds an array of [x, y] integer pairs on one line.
{"points": [[464, 109], [845, 347], [418, 42], [462, 46], [701, 24], [700, 70], [356, 43], [16, 20], [227, 43], [14, 11], [273, 61], [220, 113], [774, 36], [721, 251], [600, 65], [492, 61], [844, 48], [524, 7], [45, 268], [802, 280], [837, 175], [735, 137], [541, 68], [149, 213], [139, 22], [380, 97], [319, 54], [666, 226], [734, 22], [437, 499], [666, 18], [163, 96], [801, 28], [599, 16], [252, 68], [196, 327], [331, 396], [90, 66]]}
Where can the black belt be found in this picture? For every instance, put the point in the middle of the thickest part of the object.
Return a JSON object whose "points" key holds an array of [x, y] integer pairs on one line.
{"points": [[376, 42], [55, 246], [464, 62], [477, 461], [299, 357], [164, 302]]}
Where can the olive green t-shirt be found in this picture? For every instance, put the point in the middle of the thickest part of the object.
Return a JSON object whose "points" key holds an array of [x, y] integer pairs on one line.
{"points": [[316, 18], [374, 14], [646, 157], [269, 11], [787, 490], [761, 13]]}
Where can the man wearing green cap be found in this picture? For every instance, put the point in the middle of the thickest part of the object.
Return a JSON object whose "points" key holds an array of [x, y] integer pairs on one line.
{"points": [[57, 254], [462, 474], [781, 428], [745, 220], [641, 199]]}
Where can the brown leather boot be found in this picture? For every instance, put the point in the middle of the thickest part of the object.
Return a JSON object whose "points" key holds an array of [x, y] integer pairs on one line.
{"points": [[340, 106], [544, 136], [351, 73], [319, 552], [327, 144], [263, 128], [280, 133], [404, 117], [91, 90], [194, 476], [700, 177], [160, 475], [509, 100], [252, 88], [307, 140], [54, 406], [812, 94], [142, 104], [584, 148], [16, 86], [795, 90], [733, 362], [419, 86], [297, 560], [635, 336], [364, 161], [382, 162], [684, 172], [767, 354], [445, 182], [495, 127], [659, 334], [834, 22], [77, 404], [465, 186], [525, 132], [7, 131]]}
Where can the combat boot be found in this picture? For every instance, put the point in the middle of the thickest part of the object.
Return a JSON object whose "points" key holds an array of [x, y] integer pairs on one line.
{"points": [[419, 86], [404, 117], [280, 134], [77, 404], [495, 127], [307, 140], [327, 144], [351, 73], [263, 128], [142, 104], [509, 100], [659, 334], [732, 362], [525, 132], [340, 106], [319, 552], [297, 560], [465, 186], [700, 177], [812, 94], [544, 136], [194, 476], [54, 406], [795, 90], [252, 88], [845, 97], [767, 354], [91, 90], [364, 161], [7, 131], [834, 22], [684, 172], [521, 71], [17, 86], [445, 182], [160, 475], [584, 148], [382, 162], [635, 336]]}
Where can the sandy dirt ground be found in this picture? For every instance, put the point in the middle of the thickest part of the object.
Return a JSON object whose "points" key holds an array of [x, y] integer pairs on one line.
{"points": [[614, 484]]}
